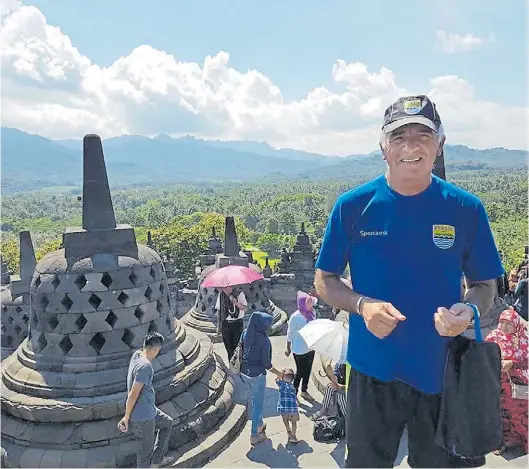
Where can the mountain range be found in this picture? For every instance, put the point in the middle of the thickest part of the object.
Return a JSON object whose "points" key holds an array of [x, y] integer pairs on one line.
{"points": [[31, 162]]}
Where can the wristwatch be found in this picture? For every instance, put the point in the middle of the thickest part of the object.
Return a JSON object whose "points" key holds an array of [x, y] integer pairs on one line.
{"points": [[476, 312]]}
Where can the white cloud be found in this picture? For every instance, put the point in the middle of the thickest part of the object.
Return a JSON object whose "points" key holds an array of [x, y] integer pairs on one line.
{"points": [[51, 89], [452, 43]]}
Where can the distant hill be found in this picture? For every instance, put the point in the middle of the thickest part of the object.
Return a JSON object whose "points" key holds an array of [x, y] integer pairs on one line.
{"points": [[31, 162]]}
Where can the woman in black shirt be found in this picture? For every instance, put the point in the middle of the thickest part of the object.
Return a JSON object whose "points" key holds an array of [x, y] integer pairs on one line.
{"points": [[231, 306]]}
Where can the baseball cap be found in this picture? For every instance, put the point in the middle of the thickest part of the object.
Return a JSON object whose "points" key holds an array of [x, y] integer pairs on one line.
{"points": [[411, 110]]}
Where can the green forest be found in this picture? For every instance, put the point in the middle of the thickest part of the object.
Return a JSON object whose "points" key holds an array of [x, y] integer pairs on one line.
{"points": [[268, 214]]}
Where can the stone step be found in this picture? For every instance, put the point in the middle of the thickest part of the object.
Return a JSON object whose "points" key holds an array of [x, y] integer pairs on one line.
{"points": [[200, 451]]}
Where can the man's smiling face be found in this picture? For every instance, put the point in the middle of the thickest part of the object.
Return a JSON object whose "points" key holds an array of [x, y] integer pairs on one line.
{"points": [[411, 150]]}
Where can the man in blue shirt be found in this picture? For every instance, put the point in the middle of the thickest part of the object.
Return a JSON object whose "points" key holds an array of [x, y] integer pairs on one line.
{"points": [[408, 238]]}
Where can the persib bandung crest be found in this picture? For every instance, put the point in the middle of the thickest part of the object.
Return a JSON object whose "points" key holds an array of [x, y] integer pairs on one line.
{"points": [[443, 236], [413, 106]]}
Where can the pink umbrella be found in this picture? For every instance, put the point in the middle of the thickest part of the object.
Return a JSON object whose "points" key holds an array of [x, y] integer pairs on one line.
{"points": [[231, 276]]}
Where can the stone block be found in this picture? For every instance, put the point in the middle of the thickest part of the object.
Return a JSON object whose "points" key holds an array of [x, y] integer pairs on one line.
{"points": [[74, 458], [94, 282], [122, 279], [200, 392], [106, 456], [186, 401], [105, 407], [12, 454], [142, 276], [64, 282], [126, 317], [51, 458], [31, 457], [96, 321], [79, 243], [150, 311], [187, 346]]}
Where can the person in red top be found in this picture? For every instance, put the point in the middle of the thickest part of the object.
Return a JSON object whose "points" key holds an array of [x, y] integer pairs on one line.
{"points": [[511, 336]]}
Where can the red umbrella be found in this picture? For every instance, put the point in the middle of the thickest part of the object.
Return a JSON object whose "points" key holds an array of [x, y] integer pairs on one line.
{"points": [[231, 276]]}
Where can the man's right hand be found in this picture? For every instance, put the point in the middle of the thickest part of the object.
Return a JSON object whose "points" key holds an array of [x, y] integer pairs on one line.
{"points": [[380, 317], [123, 425]]}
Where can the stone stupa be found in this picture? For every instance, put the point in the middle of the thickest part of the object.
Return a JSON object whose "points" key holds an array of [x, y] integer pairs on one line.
{"points": [[15, 297], [92, 303], [203, 316]]}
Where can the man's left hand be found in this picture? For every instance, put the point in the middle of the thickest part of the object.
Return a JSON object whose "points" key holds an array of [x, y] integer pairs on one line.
{"points": [[454, 321]]}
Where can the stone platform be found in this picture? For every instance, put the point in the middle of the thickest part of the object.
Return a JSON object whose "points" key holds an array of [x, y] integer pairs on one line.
{"points": [[82, 431]]}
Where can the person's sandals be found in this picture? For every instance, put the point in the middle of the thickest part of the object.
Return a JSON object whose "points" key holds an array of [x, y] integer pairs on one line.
{"points": [[262, 429], [292, 439], [254, 440]]}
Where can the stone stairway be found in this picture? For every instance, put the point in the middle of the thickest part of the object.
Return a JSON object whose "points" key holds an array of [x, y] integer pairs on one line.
{"points": [[210, 443]]}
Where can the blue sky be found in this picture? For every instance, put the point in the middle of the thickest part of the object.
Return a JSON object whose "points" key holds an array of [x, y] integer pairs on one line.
{"points": [[295, 43], [309, 75]]}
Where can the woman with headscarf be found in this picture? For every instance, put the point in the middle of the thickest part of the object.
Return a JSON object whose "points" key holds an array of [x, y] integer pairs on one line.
{"points": [[256, 360], [296, 345], [511, 337]]}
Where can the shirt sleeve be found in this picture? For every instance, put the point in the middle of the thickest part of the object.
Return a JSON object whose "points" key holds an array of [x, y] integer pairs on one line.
{"points": [[143, 374], [481, 260], [242, 299], [334, 251], [290, 333]]}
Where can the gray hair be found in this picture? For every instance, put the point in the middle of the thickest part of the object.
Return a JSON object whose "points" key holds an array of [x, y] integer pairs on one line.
{"points": [[384, 137]]}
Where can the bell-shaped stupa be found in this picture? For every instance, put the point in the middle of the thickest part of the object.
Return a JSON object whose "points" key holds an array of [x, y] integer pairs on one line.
{"points": [[15, 297], [92, 303], [203, 316]]}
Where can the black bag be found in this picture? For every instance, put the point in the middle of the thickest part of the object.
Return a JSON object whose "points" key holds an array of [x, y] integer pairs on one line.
{"points": [[470, 421], [329, 429], [236, 360]]}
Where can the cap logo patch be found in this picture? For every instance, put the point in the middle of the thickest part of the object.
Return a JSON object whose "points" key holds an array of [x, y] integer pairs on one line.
{"points": [[414, 106]]}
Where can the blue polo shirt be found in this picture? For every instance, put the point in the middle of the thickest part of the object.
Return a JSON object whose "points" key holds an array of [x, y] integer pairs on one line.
{"points": [[410, 251]]}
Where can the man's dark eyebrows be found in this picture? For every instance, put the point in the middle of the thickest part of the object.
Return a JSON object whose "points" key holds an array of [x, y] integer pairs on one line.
{"points": [[396, 133]]}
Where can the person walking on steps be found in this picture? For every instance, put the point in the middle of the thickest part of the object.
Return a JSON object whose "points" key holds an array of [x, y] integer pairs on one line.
{"points": [[256, 361], [231, 306], [296, 345], [408, 237], [150, 426]]}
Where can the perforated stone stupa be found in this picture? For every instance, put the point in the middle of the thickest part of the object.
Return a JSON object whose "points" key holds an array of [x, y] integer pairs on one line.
{"points": [[294, 271], [203, 316], [93, 302], [15, 298]]}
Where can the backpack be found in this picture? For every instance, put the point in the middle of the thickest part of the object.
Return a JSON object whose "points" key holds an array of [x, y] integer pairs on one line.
{"points": [[328, 429]]}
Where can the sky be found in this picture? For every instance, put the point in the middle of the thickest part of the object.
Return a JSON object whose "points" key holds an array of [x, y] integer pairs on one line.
{"points": [[304, 74]]}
